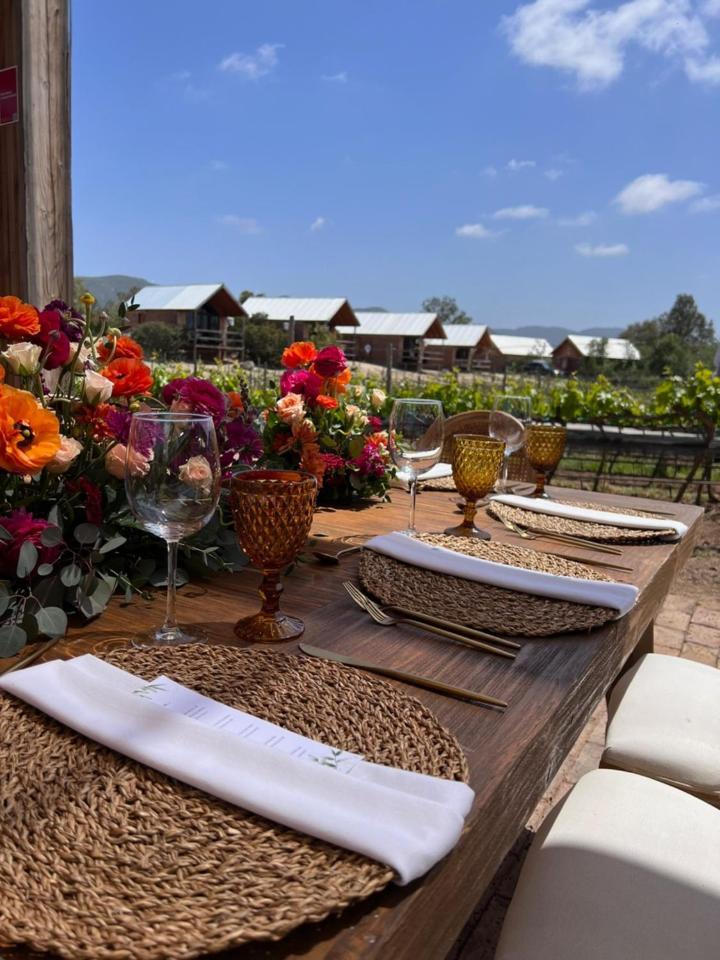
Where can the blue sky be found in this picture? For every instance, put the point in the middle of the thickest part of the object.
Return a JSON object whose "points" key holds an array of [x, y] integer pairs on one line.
{"points": [[554, 161]]}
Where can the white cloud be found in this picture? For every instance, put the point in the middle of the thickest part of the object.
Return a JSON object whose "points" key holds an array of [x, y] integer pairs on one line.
{"points": [[242, 224], [706, 204], [340, 77], [475, 231], [318, 223], [515, 165], [554, 174], [489, 171], [581, 220], [655, 190], [590, 41], [253, 66], [523, 212], [703, 71], [711, 8], [602, 249]]}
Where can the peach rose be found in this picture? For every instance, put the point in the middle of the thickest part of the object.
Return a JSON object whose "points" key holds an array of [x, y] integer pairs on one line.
{"points": [[69, 450], [291, 408], [97, 388], [197, 473], [23, 358], [304, 431], [356, 414], [115, 460]]}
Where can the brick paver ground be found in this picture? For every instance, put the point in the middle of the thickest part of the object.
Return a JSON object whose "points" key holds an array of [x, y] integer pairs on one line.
{"points": [[685, 627]]}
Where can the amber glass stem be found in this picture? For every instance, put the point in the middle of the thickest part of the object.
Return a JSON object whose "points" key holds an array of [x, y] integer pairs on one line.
{"points": [[470, 511], [270, 590], [539, 485]]}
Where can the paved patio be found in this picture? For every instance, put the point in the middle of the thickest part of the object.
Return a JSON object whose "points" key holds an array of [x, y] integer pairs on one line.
{"points": [[686, 627]]}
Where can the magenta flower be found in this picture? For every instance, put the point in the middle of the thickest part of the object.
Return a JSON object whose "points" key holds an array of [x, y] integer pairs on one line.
{"points": [[330, 362], [375, 424], [243, 445], [195, 395], [303, 382], [370, 463], [333, 463], [55, 343], [22, 526]]}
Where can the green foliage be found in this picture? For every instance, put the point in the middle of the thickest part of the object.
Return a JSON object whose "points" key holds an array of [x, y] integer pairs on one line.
{"points": [[675, 341], [264, 340], [160, 340], [446, 309]]}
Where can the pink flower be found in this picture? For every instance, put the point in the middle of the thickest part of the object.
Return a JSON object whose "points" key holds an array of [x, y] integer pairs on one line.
{"points": [[330, 362], [333, 462], [301, 381], [370, 463], [195, 395], [22, 527], [375, 423], [53, 339], [197, 473], [290, 408], [115, 462], [69, 450]]}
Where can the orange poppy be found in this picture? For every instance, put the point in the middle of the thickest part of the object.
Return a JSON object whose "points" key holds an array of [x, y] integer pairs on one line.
{"points": [[312, 461], [18, 320], [327, 403], [124, 347], [298, 354], [128, 376], [304, 431], [235, 403], [337, 385], [2, 373], [29, 434]]}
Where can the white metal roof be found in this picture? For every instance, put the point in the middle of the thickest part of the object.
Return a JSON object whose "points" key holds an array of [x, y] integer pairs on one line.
{"points": [[391, 324], [459, 335], [615, 348], [522, 346], [306, 309], [190, 297]]}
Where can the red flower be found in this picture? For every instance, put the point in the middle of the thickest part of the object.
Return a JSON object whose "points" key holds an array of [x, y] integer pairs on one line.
{"points": [[375, 423], [330, 362], [327, 403], [298, 354], [119, 348], [96, 419], [128, 376], [92, 497], [53, 339], [22, 526]]}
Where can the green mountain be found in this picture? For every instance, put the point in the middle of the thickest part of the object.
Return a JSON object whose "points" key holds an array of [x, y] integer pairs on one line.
{"points": [[113, 288]]}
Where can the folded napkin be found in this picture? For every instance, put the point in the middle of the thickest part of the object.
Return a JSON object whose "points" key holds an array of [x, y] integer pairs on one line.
{"points": [[406, 820], [438, 470], [572, 512], [598, 593]]}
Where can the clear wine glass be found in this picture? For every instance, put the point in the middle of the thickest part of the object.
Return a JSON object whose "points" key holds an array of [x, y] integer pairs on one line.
{"points": [[172, 480], [415, 434], [508, 420]]}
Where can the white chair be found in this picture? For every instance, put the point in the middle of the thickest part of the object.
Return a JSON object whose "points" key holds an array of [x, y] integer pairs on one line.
{"points": [[625, 868], [664, 722]]}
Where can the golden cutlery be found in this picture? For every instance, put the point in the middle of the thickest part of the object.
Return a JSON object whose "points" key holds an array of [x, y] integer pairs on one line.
{"points": [[335, 557], [414, 679], [31, 657], [528, 532], [385, 620], [456, 627]]}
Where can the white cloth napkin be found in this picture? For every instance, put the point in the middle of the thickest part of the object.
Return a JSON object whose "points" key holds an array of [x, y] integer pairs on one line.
{"points": [[599, 593], [408, 821], [556, 509], [438, 470]]}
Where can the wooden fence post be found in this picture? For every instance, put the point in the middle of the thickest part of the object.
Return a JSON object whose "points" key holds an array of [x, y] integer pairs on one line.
{"points": [[389, 370]]}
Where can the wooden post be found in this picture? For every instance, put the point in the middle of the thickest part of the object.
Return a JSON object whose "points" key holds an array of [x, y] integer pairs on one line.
{"points": [[389, 370], [36, 222]]}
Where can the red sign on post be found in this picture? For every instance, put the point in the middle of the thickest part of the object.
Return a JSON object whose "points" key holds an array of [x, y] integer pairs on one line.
{"points": [[9, 112]]}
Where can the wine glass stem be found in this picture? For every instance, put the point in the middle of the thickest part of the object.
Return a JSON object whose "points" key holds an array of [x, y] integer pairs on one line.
{"points": [[506, 464], [170, 618], [413, 492], [470, 511]]}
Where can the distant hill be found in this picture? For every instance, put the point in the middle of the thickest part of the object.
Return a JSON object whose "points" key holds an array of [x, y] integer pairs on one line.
{"points": [[556, 335], [112, 288]]}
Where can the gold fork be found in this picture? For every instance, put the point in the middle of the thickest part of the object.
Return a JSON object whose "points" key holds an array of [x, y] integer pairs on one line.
{"points": [[532, 533], [526, 535], [385, 620]]}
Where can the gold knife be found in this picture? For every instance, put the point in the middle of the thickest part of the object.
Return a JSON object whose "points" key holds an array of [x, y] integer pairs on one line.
{"points": [[411, 678]]}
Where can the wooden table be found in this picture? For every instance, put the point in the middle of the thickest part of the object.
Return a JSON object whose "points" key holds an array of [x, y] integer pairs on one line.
{"points": [[552, 688]]}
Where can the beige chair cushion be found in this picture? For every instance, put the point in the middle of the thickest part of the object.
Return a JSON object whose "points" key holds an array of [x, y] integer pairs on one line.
{"points": [[626, 868], [664, 722]]}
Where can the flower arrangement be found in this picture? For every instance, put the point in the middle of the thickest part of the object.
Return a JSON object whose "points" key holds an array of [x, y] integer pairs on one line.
{"points": [[68, 386], [323, 425]]}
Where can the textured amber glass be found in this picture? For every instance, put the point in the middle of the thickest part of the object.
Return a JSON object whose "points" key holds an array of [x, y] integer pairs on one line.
{"points": [[544, 447], [273, 513], [476, 466]]}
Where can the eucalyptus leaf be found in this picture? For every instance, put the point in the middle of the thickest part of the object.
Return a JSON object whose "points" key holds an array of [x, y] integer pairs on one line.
{"points": [[27, 558], [44, 569], [54, 516], [5, 535], [86, 533], [52, 621], [71, 575], [4, 598], [12, 639], [112, 544], [51, 536]]}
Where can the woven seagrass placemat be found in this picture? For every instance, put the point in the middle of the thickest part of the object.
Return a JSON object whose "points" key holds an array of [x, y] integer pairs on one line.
{"points": [[481, 605], [438, 483], [104, 859], [593, 531]]}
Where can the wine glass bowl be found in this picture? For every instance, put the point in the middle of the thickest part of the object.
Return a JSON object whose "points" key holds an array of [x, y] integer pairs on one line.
{"points": [[415, 440], [544, 447], [476, 465], [508, 420], [172, 481], [273, 512]]}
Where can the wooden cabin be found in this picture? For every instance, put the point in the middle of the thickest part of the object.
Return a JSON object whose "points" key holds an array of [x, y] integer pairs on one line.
{"points": [[301, 316], [500, 351], [397, 337], [570, 354], [458, 350]]}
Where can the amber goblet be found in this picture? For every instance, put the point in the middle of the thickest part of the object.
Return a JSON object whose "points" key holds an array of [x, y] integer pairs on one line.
{"points": [[476, 466], [273, 513], [544, 447]]}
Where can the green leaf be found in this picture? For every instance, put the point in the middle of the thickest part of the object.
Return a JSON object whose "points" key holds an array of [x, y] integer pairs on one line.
{"points": [[4, 598], [12, 639], [71, 575], [52, 621], [54, 516], [51, 536], [27, 559], [44, 569], [112, 544], [86, 533]]}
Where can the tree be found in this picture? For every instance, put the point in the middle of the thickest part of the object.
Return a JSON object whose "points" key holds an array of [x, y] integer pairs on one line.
{"points": [[160, 340], [446, 309], [675, 340]]}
